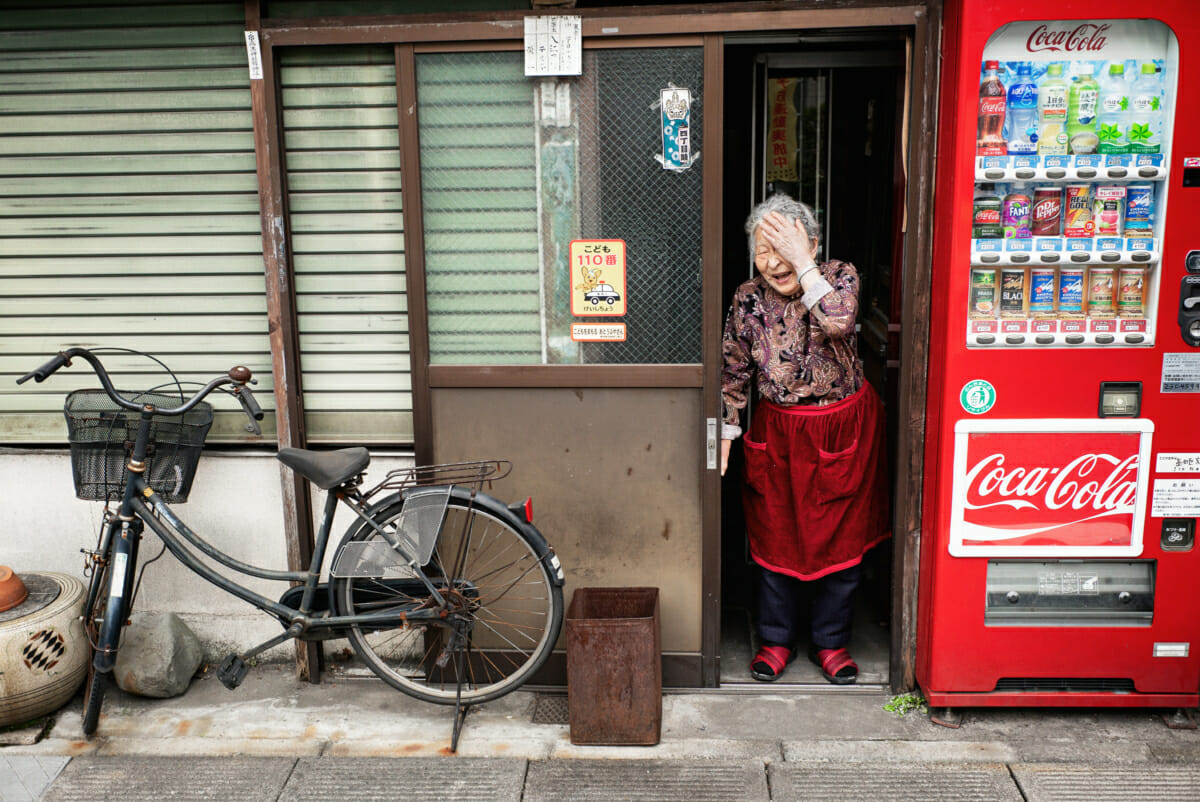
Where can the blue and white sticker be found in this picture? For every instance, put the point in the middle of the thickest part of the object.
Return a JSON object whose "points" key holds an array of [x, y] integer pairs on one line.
{"points": [[977, 396], [675, 106]]}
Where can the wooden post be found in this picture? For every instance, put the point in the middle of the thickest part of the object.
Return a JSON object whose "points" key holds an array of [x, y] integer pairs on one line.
{"points": [[281, 316]]}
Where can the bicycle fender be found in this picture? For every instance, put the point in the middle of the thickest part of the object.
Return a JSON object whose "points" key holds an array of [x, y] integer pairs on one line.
{"points": [[120, 587], [498, 508]]}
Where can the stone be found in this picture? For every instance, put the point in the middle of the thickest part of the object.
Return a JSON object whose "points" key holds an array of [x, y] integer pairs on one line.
{"points": [[159, 656]]}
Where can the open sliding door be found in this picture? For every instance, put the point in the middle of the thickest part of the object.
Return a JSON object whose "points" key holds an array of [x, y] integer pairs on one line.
{"points": [[564, 294]]}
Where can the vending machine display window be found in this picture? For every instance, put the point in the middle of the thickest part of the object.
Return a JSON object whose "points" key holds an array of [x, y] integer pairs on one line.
{"points": [[1071, 168]]}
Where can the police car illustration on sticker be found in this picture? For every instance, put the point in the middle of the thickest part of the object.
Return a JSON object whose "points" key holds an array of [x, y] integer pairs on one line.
{"points": [[597, 277]]}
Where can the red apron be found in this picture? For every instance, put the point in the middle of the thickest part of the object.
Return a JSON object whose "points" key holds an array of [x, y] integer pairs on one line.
{"points": [[816, 494]]}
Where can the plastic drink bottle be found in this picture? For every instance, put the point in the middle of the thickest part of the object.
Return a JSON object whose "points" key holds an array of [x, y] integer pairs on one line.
{"points": [[1052, 112], [1023, 112], [1114, 111], [990, 134], [1082, 98], [1016, 213], [1145, 113]]}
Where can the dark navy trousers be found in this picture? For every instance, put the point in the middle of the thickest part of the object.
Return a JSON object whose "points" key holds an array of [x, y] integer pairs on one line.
{"points": [[830, 600]]}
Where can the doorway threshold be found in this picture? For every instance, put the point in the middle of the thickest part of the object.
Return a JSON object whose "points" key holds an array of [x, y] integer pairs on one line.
{"points": [[868, 645]]}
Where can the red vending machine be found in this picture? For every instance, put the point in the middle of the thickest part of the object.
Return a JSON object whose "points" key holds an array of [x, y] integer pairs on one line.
{"points": [[1059, 564]]}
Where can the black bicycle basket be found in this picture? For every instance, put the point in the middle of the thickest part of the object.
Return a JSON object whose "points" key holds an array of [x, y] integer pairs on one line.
{"points": [[102, 434]]}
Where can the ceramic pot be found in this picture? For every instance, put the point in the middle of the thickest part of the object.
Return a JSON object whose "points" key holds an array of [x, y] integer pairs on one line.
{"points": [[43, 650]]}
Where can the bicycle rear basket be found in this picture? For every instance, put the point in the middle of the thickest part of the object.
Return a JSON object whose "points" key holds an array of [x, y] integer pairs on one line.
{"points": [[102, 434]]}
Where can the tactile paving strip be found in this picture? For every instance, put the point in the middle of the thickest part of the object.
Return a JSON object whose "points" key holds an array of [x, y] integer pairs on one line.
{"points": [[140, 777], [445, 779], [1108, 783], [24, 777], [646, 780], [953, 782]]}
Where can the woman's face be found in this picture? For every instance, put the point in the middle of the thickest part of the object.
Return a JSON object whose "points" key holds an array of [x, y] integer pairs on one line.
{"points": [[778, 272]]}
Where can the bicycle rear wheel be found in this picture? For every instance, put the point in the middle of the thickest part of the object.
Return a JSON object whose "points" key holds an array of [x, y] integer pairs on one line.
{"points": [[515, 608]]}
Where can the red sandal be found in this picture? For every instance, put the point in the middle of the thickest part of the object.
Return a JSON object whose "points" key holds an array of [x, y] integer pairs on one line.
{"points": [[837, 666], [768, 664]]}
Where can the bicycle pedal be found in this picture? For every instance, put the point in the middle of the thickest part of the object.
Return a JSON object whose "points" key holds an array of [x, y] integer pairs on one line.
{"points": [[232, 671]]}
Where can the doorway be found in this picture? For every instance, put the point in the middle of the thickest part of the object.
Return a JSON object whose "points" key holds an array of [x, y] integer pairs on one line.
{"points": [[836, 145]]}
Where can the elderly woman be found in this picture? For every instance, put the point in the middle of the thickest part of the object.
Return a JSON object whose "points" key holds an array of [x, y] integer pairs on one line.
{"points": [[816, 495]]}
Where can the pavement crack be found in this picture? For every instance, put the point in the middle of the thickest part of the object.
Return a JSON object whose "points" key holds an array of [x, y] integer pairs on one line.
{"points": [[1016, 782], [283, 786]]}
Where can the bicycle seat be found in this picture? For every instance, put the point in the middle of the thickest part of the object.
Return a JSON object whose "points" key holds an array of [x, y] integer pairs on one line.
{"points": [[325, 469]]}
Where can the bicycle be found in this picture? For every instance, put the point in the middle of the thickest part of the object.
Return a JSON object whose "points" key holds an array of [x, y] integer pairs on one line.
{"points": [[444, 592]]}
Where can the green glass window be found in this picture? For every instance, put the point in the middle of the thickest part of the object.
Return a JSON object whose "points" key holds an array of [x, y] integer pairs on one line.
{"points": [[513, 169]]}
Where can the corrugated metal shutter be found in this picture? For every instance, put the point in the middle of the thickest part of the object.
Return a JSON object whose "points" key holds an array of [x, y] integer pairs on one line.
{"points": [[128, 200], [344, 198]]}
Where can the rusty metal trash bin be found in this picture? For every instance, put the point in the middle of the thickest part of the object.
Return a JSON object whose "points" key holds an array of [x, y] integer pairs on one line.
{"points": [[614, 667]]}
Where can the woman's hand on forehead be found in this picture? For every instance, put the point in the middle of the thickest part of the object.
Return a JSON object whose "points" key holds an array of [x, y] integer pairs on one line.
{"points": [[788, 238]]}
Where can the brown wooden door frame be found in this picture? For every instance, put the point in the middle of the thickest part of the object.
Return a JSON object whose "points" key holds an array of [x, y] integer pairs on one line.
{"points": [[504, 30]]}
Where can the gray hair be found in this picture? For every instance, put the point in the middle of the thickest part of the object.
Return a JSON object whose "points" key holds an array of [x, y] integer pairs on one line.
{"points": [[790, 208]]}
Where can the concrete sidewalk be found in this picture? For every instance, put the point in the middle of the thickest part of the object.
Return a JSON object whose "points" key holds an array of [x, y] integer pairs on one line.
{"points": [[277, 738]]}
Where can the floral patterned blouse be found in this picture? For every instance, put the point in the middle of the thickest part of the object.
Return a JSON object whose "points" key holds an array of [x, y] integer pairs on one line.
{"points": [[797, 354]]}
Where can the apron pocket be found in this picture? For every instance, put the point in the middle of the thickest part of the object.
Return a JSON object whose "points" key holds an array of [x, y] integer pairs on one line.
{"points": [[756, 464], [838, 473]]}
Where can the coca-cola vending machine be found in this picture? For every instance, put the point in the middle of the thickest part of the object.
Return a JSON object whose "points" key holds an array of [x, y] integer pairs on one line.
{"points": [[1058, 560]]}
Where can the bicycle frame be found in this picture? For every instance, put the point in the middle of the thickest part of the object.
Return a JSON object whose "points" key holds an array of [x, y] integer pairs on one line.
{"points": [[141, 503]]}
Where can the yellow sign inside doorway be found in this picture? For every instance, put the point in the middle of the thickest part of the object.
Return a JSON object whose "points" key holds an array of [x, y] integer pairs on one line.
{"points": [[598, 277]]}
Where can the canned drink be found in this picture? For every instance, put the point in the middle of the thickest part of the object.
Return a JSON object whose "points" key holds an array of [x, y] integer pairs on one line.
{"points": [[1012, 292], [1070, 292], [983, 293], [1047, 212], [1108, 211], [1042, 289], [1100, 292], [1077, 214], [1139, 210], [1016, 213], [985, 222], [1131, 292]]}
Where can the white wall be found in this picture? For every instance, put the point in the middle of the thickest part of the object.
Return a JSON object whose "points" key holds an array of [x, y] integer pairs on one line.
{"points": [[235, 504]]}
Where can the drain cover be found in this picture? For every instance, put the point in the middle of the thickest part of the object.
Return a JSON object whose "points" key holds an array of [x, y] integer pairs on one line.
{"points": [[551, 709]]}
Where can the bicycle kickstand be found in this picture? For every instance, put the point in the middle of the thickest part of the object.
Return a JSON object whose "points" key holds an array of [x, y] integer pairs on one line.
{"points": [[458, 645], [460, 710]]}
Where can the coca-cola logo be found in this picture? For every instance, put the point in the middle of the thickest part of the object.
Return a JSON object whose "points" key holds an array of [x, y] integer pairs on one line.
{"points": [[1046, 209], [1094, 483], [991, 105], [1087, 36], [987, 215], [1076, 490]]}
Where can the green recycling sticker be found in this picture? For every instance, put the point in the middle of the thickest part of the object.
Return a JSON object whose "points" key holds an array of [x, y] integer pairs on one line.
{"points": [[977, 396]]}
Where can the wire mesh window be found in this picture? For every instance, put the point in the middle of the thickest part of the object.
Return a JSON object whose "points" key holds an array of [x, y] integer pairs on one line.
{"points": [[514, 169]]}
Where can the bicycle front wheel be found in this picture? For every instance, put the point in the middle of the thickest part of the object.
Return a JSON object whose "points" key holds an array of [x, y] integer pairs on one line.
{"points": [[482, 565]]}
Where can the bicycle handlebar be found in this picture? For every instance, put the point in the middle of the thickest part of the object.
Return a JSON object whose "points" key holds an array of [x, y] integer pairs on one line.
{"points": [[238, 376], [45, 370], [249, 405]]}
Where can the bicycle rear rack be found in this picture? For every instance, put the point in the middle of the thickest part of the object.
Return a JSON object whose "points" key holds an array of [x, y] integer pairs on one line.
{"points": [[470, 474]]}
